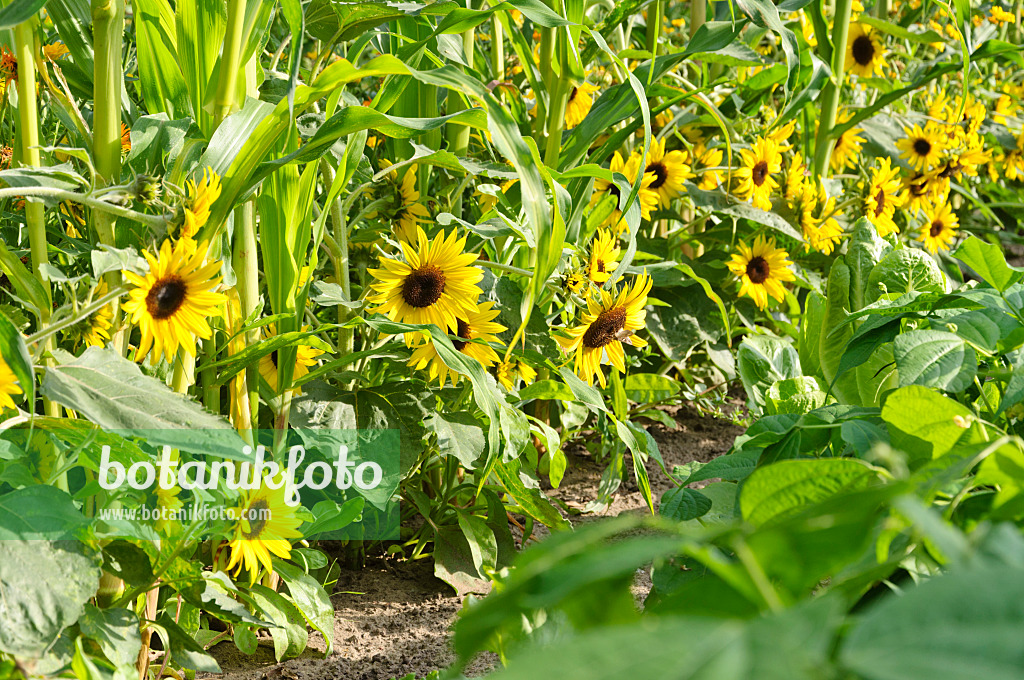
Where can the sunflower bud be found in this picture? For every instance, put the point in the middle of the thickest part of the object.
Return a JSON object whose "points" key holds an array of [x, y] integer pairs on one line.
{"points": [[146, 188]]}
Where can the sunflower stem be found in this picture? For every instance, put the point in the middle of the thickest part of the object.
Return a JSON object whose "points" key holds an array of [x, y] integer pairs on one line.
{"points": [[458, 134], [654, 14], [497, 48], [108, 39], [35, 214], [830, 99], [337, 245], [225, 101], [184, 370]]}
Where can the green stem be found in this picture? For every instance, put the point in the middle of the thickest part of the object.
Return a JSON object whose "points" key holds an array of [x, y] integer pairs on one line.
{"points": [[155, 222], [246, 263], [830, 98], [698, 14], [225, 101], [654, 14], [497, 48], [458, 134], [337, 244], [556, 121]]}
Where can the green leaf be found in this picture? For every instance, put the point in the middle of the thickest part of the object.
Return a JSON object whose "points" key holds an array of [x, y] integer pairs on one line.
{"points": [[15, 354], [763, 360], [988, 261], [45, 588], [459, 435], [160, 75], [116, 631], [112, 392], [794, 395], [936, 359], [289, 632], [926, 415], [959, 626], [898, 31], [183, 648], [684, 504], [644, 388], [903, 271], [19, 11], [547, 389], [775, 491], [309, 596], [454, 561], [38, 513]]}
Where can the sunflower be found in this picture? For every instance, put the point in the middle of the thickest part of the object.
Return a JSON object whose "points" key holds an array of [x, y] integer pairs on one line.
{"points": [[609, 321], [581, 100], [1013, 161], [669, 170], [511, 371], [306, 357], [73, 217], [604, 254], [174, 299], [8, 385], [126, 140], [435, 284], [762, 270], [574, 280], [796, 177], [54, 51], [477, 325], [864, 51], [847, 147], [781, 135], [827, 233], [939, 229], [201, 198], [754, 177], [408, 213], [923, 190], [922, 148], [6, 157], [884, 196], [1000, 16], [647, 198], [94, 331], [708, 158], [265, 524]]}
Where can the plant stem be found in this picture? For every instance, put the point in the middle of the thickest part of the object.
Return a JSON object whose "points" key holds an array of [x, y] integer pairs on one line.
{"points": [[35, 214], [497, 48], [337, 244], [654, 14], [830, 98], [698, 14], [155, 222], [225, 101], [458, 134]]}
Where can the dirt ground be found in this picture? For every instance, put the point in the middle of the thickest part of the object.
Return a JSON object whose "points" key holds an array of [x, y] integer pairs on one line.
{"points": [[393, 618]]}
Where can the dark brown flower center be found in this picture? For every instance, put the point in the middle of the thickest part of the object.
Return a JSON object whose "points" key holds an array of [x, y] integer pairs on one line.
{"points": [[600, 265], [937, 228], [166, 297], [758, 269], [863, 50], [257, 515], [879, 202], [423, 287], [660, 174], [759, 173], [273, 357], [605, 327], [573, 95], [462, 332], [922, 147]]}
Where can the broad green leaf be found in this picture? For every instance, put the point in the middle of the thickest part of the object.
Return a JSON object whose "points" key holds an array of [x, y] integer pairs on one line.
{"points": [[927, 415], [309, 596], [989, 262], [683, 504], [794, 395], [777, 490], [184, 648], [454, 561], [160, 76], [958, 626], [45, 588], [38, 512], [763, 360], [649, 387], [938, 359], [459, 435], [903, 271], [289, 632], [116, 631], [15, 354]]}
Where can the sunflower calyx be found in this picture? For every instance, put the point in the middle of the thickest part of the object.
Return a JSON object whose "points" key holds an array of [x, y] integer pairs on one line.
{"points": [[145, 189]]}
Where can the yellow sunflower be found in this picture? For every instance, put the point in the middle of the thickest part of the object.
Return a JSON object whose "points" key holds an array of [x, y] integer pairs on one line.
{"points": [[604, 256], [708, 158], [762, 270], [73, 217], [847, 147], [201, 198], [865, 54], [827, 233], [581, 100], [266, 523], [669, 170], [924, 190], [436, 284], [609, 321], [754, 178], [647, 198], [884, 196], [126, 139], [939, 228], [172, 302], [408, 212], [922, 148], [476, 325], [796, 177], [94, 331], [8, 385], [1013, 161], [54, 51], [305, 358], [511, 371]]}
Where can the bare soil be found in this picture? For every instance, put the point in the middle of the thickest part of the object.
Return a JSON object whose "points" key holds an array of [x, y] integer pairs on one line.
{"points": [[393, 618]]}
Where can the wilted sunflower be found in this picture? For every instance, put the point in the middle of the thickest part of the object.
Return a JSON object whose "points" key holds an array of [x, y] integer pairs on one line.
{"points": [[8, 385], [669, 170], [604, 256], [581, 100], [476, 325], [265, 525], [172, 302], [201, 198], [884, 196], [8, 69], [306, 357], [435, 284], [609, 321], [939, 228], [754, 177], [408, 212], [6, 156], [647, 199], [511, 371], [864, 51], [94, 331], [762, 270], [922, 148], [847, 147]]}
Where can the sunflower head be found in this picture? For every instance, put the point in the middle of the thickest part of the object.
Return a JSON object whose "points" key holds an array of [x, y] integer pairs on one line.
{"points": [[865, 54], [762, 269], [265, 524], [8, 385], [922, 147], [201, 198], [473, 330], [940, 228], [604, 256], [581, 100], [883, 197], [172, 302]]}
